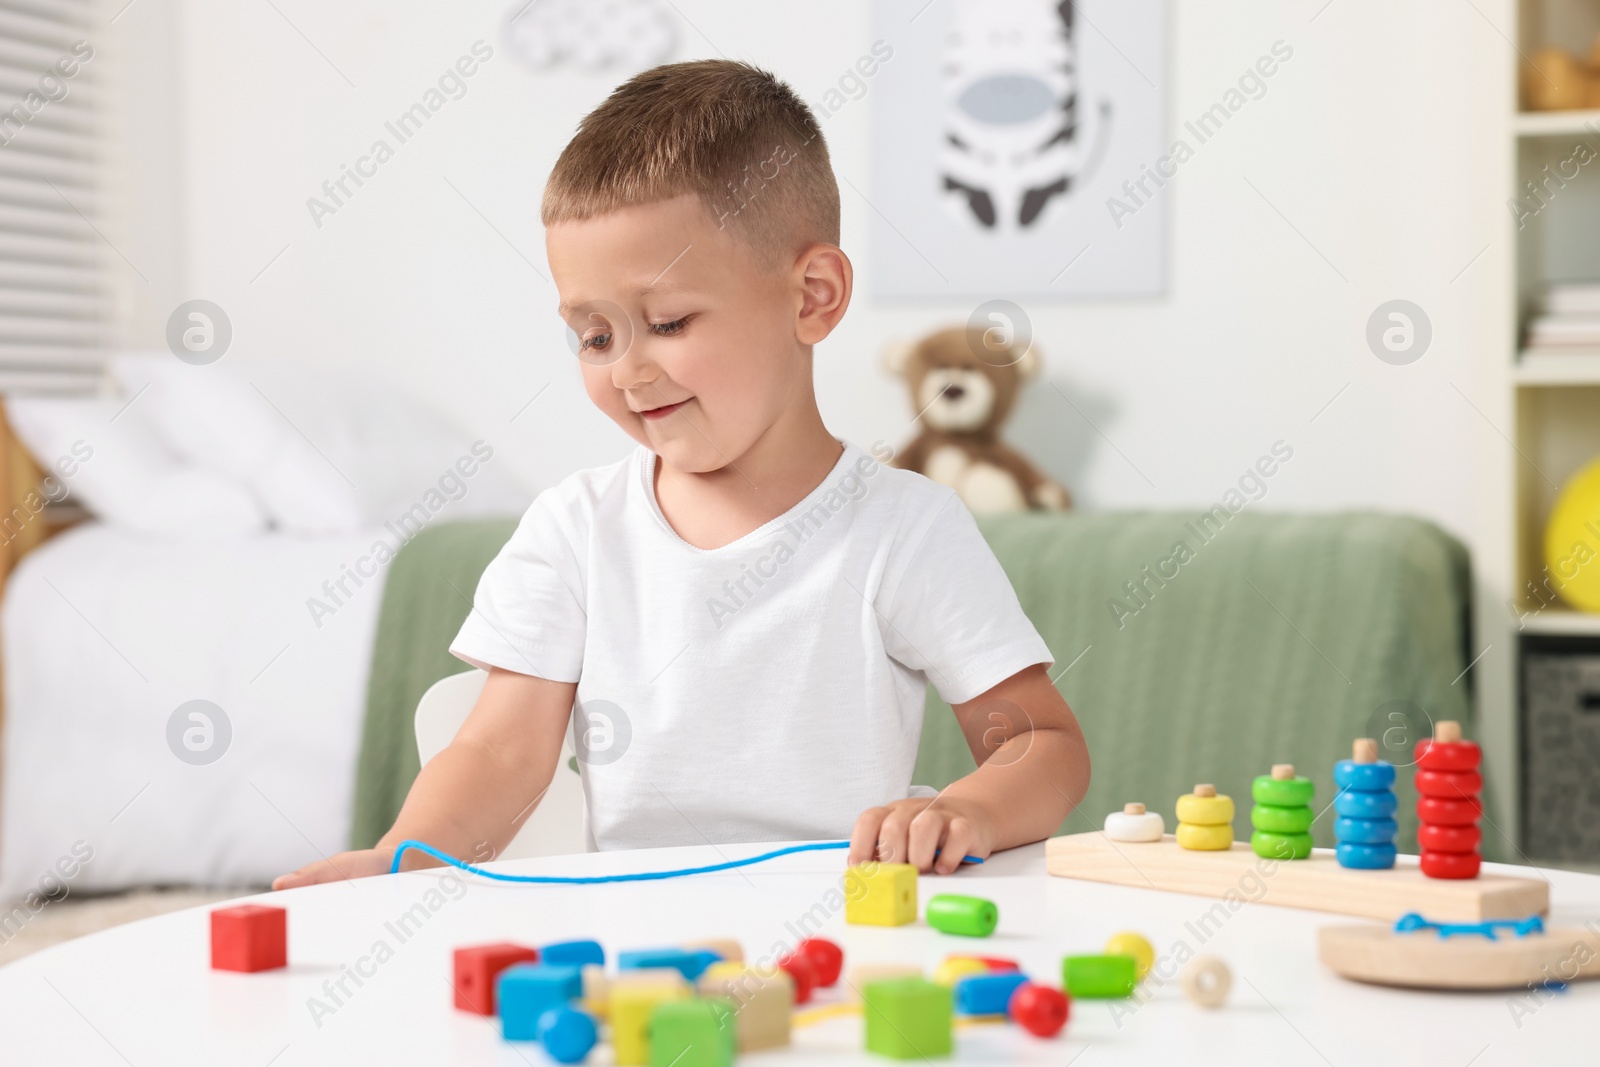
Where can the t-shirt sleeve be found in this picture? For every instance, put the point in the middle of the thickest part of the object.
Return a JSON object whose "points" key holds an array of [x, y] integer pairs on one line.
{"points": [[528, 613], [951, 613]]}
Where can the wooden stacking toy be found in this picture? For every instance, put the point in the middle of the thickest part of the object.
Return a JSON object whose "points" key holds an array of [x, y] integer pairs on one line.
{"points": [[1365, 807], [1205, 820], [1134, 824], [1448, 807], [1282, 814]]}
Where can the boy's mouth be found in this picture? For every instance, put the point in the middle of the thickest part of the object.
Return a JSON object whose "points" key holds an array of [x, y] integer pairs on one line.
{"points": [[665, 410]]}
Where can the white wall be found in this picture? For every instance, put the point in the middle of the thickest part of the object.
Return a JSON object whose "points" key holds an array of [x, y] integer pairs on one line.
{"points": [[1371, 143]]}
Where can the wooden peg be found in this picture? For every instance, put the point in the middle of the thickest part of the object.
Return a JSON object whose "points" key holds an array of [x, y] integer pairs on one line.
{"points": [[1447, 730], [1205, 790], [1283, 772], [1365, 750], [1133, 809]]}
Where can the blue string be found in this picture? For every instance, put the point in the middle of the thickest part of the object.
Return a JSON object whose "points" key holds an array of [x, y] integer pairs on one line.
{"points": [[596, 879]]}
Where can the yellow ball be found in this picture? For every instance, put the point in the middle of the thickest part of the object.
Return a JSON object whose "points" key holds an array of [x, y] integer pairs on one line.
{"points": [[1205, 811], [956, 968], [1204, 838], [1572, 540], [1128, 943]]}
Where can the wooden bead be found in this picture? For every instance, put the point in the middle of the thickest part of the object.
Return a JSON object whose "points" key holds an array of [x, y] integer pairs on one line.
{"points": [[1448, 756], [1365, 831], [988, 993], [1205, 838], [1206, 981], [1451, 864], [951, 913], [1038, 1009], [1365, 857], [1438, 837], [1141, 827], [1128, 943], [799, 967], [1099, 977], [1353, 805], [1371, 777], [1450, 785], [1198, 810], [825, 956], [1291, 792], [956, 968], [1449, 812], [1281, 820], [1280, 846]]}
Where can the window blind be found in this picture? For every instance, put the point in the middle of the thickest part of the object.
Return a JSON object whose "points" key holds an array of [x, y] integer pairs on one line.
{"points": [[54, 291]]}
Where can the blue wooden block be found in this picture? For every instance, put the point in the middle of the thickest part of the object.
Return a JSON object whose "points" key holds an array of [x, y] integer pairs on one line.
{"points": [[573, 953], [528, 990], [1352, 805], [987, 994], [689, 964], [1363, 777], [567, 1034], [1365, 857], [1365, 831]]}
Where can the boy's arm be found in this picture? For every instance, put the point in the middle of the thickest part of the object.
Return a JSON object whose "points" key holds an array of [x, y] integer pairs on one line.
{"points": [[472, 797], [1033, 769]]}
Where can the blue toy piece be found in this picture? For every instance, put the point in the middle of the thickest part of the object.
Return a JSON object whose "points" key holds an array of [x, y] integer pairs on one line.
{"points": [[1365, 857], [1363, 777], [528, 990], [690, 964], [567, 1034], [1365, 831], [573, 953], [1350, 805], [1411, 922], [987, 994]]}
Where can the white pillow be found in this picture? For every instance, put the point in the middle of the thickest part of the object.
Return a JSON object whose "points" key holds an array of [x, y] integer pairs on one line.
{"points": [[323, 451], [116, 466]]}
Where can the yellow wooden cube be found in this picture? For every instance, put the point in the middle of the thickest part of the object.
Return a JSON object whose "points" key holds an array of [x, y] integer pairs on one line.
{"points": [[762, 1005], [630, 1003], [880, 894]]}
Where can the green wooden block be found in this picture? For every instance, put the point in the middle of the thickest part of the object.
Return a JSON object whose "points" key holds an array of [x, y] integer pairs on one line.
{"points": [[1275, 820], [908, 1018], [1281, 846], [968, 916], [692, 1033], [1099, 977]]}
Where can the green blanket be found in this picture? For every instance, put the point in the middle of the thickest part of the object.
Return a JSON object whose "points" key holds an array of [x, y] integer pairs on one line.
{"points": [[1278, 639]]}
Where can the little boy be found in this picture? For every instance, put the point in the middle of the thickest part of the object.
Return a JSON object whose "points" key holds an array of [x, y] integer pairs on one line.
{"points": [[746, 608]]}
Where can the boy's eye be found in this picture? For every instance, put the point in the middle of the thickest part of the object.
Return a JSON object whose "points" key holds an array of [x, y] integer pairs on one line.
{"points": [[667, 329], [596, 341]]}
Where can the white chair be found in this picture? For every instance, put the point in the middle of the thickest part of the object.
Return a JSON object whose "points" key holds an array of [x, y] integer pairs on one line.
{"points": [[556, 826]]}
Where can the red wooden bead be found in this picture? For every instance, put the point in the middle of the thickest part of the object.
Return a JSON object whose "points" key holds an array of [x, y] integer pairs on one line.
{"points": [[1448, 755], [476, 967], [826, 958], [1437, 837], [1451, 864], [250, 937], [1449, 812], [1450, 785], [996, 963], [799, 967], [1039, 1009]]}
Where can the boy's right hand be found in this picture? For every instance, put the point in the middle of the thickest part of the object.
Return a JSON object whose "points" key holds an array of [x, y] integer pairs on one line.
{"points": [[362, 864]]}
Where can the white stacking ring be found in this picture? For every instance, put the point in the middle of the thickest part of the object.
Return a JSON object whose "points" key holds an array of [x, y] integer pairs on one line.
{"points": [[1133, 823]]}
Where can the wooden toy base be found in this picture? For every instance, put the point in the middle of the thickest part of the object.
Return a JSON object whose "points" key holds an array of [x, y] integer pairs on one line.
{"points": [[1424, 960], [1318, 883]]}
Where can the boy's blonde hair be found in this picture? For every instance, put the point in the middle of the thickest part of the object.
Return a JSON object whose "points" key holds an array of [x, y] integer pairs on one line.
{"points": [[727, 132]]}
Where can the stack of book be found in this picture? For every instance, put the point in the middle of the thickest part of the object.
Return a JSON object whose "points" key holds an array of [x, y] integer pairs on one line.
{"points": [[1567, 321]]}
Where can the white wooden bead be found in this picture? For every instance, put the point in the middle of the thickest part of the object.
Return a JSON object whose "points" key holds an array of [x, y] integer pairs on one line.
{"points": [[1206, 981], [1120, 826]]}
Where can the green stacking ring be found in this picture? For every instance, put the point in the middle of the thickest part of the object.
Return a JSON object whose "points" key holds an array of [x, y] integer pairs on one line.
{"points": [[1293, 792], [1281, 820], [1281, 846], [967, 916], [1099, 977]]}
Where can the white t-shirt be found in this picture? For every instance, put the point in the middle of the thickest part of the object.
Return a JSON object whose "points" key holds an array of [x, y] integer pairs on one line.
{"points": [[771, 689]]}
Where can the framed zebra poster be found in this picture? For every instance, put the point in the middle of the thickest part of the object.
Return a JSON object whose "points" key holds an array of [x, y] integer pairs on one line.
{"points": [[1003, 132]]}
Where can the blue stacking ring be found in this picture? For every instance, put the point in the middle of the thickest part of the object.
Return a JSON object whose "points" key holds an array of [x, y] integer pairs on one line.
{"points": [[1353, 805], [1363, 777], [1366, 857], [1365, 831]]}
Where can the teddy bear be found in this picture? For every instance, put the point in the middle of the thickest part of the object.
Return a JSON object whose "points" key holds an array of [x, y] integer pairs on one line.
{"points": [[1556, 80], [964, 384]]}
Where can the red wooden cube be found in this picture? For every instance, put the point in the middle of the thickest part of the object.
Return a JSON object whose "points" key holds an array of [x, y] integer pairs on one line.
{"points": [[250, 937], [476, 969]]}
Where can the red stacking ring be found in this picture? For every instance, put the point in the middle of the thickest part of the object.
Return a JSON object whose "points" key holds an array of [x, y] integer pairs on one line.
{"points": [[1449, 812], [1448, 755], [1451, 864], [1451, 785], [1436, 837]]}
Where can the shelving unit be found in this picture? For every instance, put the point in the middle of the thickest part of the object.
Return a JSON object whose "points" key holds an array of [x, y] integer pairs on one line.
{"points": [[1552, 399]]}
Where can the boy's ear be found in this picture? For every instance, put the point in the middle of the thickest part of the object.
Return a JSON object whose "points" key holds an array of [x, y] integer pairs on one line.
{"points": [[897, 357], [826, 280]]}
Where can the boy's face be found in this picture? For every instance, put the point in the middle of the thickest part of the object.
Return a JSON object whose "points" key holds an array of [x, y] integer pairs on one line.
{"points": [[687, 342]]}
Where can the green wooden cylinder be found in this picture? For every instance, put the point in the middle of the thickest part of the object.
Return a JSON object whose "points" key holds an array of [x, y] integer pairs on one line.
{"points": [[1099, 977], [968, 916]]}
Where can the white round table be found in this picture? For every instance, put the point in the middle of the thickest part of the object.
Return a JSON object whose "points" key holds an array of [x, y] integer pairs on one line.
{"points": [[144, 994]]}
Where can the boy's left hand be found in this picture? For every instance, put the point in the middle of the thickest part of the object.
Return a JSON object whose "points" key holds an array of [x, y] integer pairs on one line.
{"points": [[911, 831]]}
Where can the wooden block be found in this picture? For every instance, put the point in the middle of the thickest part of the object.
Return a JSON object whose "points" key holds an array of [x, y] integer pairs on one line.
{"points": [[631, 1004], [862, 973], [880, 894], [1318, 883], [249, 937], [475, 969], [726, 947], [1425, 960], [763, 1005]]}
